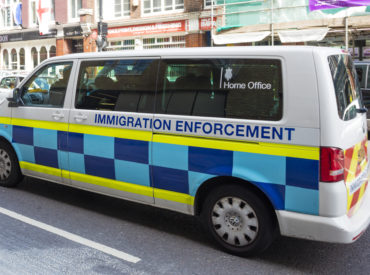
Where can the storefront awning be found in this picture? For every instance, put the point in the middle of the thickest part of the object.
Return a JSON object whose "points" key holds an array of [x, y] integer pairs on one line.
{"points": [[222, 39], [293, 36]]}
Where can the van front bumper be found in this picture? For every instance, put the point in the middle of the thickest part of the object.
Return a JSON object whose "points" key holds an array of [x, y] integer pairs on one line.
{"points": [[341, 229]]}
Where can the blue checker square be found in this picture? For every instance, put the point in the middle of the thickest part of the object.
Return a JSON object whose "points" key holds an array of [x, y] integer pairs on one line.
{"points": [[131, 150], [302, 173], [132, 172], [210, 161], [99, 167], [45, 138], [77, 163], [170, 155], [302, 200], [170, 179], [63, 160], [99, 146], [46, 157], [27, 152], [259, 167], [62, 140], [76, 143], [195, 180], [23, 135]]}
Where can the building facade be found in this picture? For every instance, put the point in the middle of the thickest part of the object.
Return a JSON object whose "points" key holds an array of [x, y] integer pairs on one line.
{"points": [[132, 24]]}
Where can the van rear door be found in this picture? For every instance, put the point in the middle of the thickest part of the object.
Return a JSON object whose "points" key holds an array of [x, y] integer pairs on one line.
{"points": [[351, 128]]}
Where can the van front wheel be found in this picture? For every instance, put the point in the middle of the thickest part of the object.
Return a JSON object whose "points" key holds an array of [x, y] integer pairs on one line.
{"points": [[239, 221], [10, 174]]}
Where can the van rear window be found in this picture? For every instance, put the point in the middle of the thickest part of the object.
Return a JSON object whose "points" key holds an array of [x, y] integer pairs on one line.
{"points": [[346, 85]]}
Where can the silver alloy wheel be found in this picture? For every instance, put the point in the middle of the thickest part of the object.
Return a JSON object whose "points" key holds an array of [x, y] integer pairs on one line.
{"points": [[235, 221], [5, 165]]}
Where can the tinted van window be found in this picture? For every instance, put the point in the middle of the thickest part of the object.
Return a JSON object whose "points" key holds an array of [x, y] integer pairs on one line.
{"points": [[230, 88], [117, 85], [347, 88]]}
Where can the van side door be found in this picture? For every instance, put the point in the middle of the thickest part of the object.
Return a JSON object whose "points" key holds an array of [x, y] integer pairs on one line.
{"points": [[40, 122], [110, 127]]}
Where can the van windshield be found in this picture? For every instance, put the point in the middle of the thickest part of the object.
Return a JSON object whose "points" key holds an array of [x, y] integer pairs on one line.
{"points": [[347, 88]]}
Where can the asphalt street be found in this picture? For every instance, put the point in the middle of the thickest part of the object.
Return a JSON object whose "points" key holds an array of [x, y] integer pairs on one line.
{"points": [[163, 242]]}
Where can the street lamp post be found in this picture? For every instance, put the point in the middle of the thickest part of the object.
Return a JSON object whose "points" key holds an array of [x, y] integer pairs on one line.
{"points": [[101, 41]]}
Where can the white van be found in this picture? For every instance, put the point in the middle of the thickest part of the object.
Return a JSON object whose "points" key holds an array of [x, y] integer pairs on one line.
{"points": [[256, 141]]}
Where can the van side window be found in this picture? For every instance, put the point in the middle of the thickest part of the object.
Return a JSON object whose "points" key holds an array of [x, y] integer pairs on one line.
{"points": [[117, 85], [230, 88], [48, 86]]}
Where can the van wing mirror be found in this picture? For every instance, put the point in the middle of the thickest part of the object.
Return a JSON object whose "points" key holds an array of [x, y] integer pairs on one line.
{"points": [[15, 100]]}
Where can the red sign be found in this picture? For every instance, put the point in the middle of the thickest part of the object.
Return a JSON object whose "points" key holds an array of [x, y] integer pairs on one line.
{"points": [[205, 23], [166, 27]]}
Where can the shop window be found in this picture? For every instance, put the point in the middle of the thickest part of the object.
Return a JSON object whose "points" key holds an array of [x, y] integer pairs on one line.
{"points": [[164, 42], [121, 8], [14, 59], [53, 51], [227, 88], [43, 54], [159, 6], [74, 7], [5, 59], [128, 44], [35, 58], [21, 59]]}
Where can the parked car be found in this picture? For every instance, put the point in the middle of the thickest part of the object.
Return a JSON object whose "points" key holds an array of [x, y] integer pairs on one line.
{"points": [[363, 74]]}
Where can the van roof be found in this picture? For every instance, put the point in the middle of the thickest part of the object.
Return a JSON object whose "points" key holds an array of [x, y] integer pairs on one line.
{"points": [[205, 51]]}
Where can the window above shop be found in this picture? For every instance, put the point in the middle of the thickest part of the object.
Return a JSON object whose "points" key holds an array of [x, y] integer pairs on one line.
{"points": [[113, 9], [207, 3], [10, 13], [32, 16], [121, 8], [73, 7], [161, 6]]}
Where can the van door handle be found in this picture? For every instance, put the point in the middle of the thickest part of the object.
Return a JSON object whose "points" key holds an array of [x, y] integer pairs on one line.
{"points": [[57, 116], [80, 117]]}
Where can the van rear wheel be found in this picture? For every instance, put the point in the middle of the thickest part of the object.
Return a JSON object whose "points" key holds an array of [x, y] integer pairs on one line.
{"points": [[238, 220], [10, 174]]}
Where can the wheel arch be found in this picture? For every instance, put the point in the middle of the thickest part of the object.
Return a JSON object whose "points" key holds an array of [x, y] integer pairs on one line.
{"points": [[6, 139], [215, 182]]}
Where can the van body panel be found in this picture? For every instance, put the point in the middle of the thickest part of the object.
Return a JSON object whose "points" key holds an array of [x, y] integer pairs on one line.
{"points": [[163, 158]]}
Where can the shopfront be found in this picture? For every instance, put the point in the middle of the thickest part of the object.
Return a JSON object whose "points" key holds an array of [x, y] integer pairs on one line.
{"points": [[22, 51], [147, 36]]}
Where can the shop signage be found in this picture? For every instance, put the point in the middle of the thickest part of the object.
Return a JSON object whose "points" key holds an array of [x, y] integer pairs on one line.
{"points": [[205, 23], [72, 31], [332, 4], [23, 36], [155, 28]]}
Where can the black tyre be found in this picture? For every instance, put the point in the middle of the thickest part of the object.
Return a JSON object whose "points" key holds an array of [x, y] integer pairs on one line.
{"points": [[10, 174], [239, 220]]}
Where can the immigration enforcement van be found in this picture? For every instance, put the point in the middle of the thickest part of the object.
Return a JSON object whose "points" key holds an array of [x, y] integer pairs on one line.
{"points": [[256, 141]]}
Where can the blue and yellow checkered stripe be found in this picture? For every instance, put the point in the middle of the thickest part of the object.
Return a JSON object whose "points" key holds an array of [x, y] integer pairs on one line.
{"points": [[175, 166]]}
